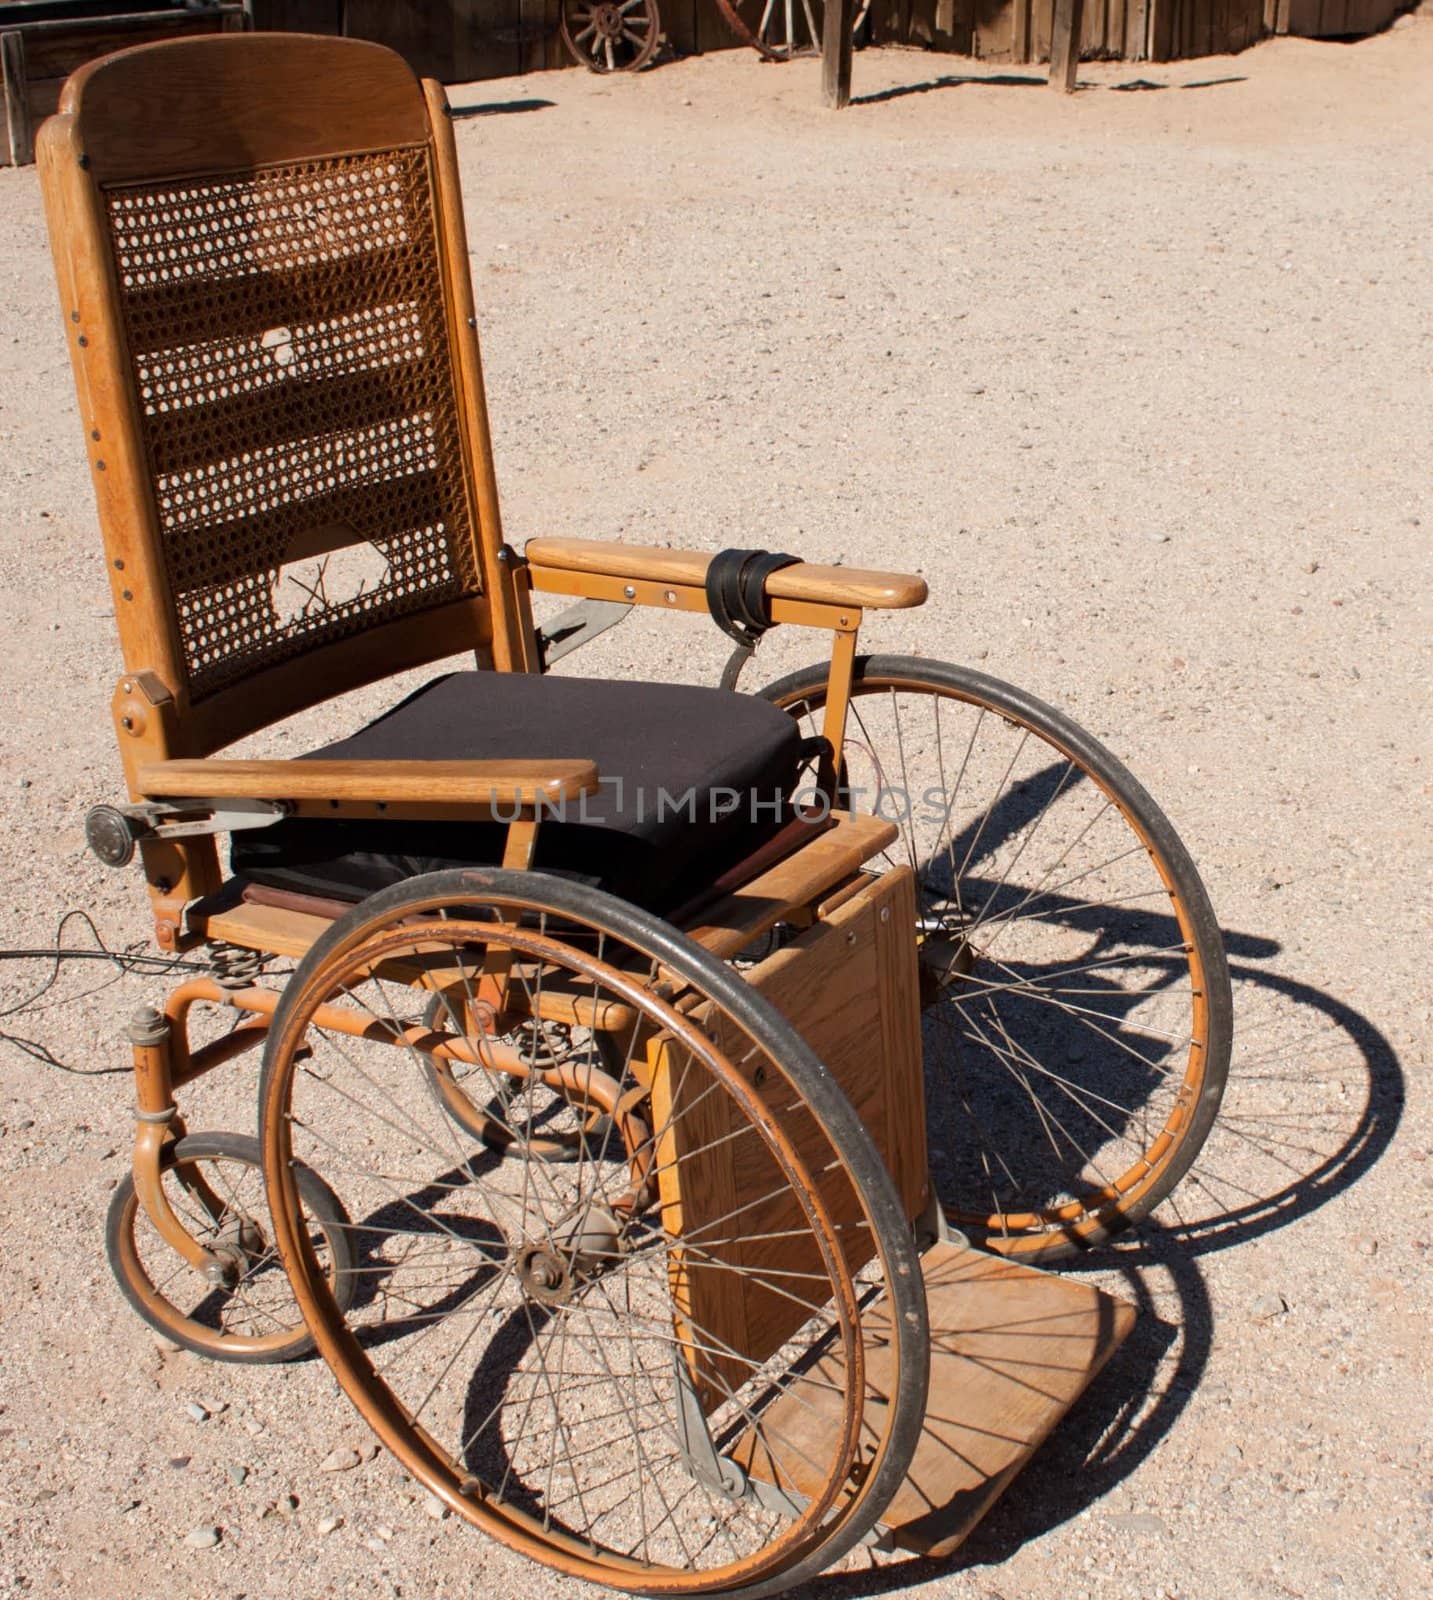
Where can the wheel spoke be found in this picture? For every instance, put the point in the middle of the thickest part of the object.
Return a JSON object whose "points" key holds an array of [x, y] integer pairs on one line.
{"points": [[537, 1316], [1054, 917]]}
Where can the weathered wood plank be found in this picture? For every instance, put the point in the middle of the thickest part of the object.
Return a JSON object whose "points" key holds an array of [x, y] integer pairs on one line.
{"points": [[1012, 1349], [1065, 33], [836, 24], [19, 137]]}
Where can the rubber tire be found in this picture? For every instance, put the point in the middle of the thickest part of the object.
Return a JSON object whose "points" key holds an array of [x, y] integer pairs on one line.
{"points": [[1135, 801], [320, 1203]]}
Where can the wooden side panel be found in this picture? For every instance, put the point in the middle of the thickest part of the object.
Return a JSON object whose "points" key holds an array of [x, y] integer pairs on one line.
{"points": [[696, 1181], [1012, 1349], [850, 987]]}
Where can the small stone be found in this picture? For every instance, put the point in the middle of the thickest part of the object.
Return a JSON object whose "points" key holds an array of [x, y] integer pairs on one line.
{"points": [[1268, 1306], [1311, 567], [215, 1408], [287, 1504], [1365, 1244], [383, 1532], [202, 1538], [253, 1427], [195, 1412], [1157, 538], [24, 783], [434, 1507], [367, 1450], [341, 1460], [238, 1475], [1139, 1522], [374, 1546], [329, 1525], [179, 1462]]}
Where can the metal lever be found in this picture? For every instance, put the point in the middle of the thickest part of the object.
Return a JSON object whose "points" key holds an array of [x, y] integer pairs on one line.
{"points": [[577, 626], [112, 832]]}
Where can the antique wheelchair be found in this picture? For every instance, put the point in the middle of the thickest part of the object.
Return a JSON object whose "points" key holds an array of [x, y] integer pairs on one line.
{"points": [[675, 1086]]}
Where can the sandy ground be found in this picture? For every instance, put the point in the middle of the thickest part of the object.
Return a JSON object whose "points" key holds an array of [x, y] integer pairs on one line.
{"points": [[1141, 381]]}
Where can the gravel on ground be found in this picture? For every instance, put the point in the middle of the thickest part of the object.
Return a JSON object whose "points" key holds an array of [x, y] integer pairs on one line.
{"points": [[1141, 382]]}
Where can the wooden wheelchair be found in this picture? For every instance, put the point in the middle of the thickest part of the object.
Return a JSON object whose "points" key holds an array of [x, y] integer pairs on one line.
{"points": [[656, 1058]]}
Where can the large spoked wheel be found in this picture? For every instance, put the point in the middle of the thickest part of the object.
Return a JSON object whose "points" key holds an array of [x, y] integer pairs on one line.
{"points": [[781, 30], [610, 35], [214, 1184], [1076, 1015], [620, 1364]]}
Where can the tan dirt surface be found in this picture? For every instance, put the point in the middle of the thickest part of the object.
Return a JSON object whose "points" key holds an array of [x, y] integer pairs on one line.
{"points": [[1141, 382]]}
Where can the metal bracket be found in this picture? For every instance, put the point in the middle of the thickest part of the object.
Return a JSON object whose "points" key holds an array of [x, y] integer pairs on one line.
{"points": [[577, 626], [932, 1227], [699, 1454], [112, 832], [225, 816], [720, 1473]]}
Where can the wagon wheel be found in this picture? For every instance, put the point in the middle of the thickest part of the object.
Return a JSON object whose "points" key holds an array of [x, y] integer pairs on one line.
{"points": [[610, 35], [596, 1362], [1076, 1006], [783, 29]]}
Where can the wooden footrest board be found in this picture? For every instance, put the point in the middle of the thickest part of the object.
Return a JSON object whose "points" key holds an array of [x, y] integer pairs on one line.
{"points": [[1012, 1349]]}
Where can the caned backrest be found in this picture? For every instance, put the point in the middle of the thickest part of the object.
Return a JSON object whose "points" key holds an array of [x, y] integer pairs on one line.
{"points": [[263, 271]]}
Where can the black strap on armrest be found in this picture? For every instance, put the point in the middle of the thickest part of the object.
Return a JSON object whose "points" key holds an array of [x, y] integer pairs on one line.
{"points": [[736, 592]]}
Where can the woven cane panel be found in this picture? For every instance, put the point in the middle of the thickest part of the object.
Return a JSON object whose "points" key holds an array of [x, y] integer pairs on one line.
{"points": [[288, 339]]}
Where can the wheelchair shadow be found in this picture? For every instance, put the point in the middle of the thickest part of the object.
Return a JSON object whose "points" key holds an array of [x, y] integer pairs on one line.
{"points": [[1315, 1096]]}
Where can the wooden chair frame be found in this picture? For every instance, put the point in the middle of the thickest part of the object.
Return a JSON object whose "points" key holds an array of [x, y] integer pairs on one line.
{"points": [[105, 136], [347, 97]]}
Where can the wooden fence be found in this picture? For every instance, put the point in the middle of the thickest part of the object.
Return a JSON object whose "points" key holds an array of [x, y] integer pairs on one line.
{"points": [[458, 40], [1131, 30]]}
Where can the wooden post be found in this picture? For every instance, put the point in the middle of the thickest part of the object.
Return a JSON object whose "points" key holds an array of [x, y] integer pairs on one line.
{"points": [[17, 98], [836, 29], [1065, 28]]}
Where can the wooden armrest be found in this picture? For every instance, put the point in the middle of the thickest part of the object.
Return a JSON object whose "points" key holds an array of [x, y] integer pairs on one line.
{"points": [[837, 586], [476, 783]]}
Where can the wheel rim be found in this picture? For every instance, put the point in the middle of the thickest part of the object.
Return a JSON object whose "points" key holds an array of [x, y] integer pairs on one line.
{"points": [[253, 1312], [610, 35], [783, 30], [496, 1288], [1066, 1015]]}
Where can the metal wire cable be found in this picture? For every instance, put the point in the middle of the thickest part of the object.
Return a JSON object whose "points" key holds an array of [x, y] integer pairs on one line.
{"points": [[124, 962]]}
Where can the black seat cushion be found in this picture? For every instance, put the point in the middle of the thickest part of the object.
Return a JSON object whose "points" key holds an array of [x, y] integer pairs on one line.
{"points": [[680, 769]]}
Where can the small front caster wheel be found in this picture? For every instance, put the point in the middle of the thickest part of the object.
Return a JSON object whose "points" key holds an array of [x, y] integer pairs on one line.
{"points": [[242, 1309]]}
